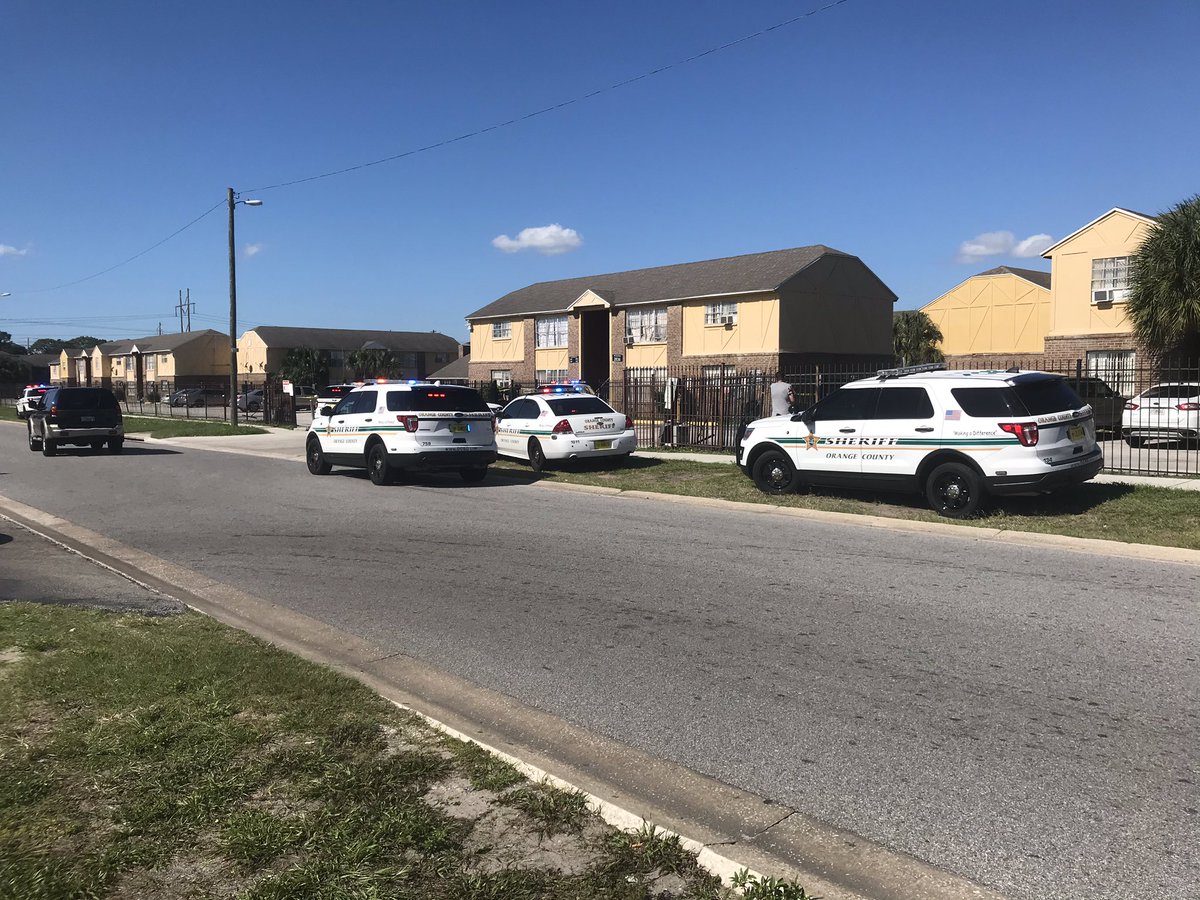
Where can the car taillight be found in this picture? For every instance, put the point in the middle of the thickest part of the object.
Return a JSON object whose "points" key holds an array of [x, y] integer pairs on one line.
{"points": [[629, 423], [54, 409], [410, 423], [1026, 432], [563, 427], [1131, 405], [1188, 406], [493, 423]]}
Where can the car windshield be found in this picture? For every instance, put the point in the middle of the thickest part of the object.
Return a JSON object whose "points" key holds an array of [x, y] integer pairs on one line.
{"points": [[1172, 391], [83, 398], [436, 399], [577, 406]]}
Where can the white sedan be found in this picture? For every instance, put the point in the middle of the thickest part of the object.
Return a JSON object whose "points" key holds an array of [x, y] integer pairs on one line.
{"points": [[555, 424], [1169, 412]]}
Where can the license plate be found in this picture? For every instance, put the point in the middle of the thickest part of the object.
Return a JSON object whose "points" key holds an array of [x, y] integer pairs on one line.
{"points": [[87, 418], [459, 427], [603, 445], [1075, 433]]}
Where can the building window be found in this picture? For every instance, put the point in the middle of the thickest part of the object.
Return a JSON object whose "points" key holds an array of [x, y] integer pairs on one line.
{"points": [[337, 359], [148, 364], [440, 359], [502, 377], [545, 376], [501, 330], [716, 372], [1116, 368], [720, 314], [409, 360], [1110, 279], [646, 326], [646, 375], [552, 332]]}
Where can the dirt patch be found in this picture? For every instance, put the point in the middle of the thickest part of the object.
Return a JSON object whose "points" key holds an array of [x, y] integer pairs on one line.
{"points": [[455, 797], [396, 741], [182, 878], [9, 655], [505, 838]]}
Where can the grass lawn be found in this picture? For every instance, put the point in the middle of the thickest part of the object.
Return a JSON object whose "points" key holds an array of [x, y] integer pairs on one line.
{"points": [[1135, 514], [149, 757], [169, 428]]}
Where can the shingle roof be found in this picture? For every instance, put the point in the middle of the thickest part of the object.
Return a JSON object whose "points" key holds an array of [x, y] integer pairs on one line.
{"points": [[455, 370], [712, 277], [158, 343], [354, 339], [1035, 275]]}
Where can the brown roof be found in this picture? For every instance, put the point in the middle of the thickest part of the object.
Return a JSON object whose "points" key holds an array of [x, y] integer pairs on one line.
{"points": [[158, 343], [1037, 276], [712, 277], [455, 370], [354, 339]]}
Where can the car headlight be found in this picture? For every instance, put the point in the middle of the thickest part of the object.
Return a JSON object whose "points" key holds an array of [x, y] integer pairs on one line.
{"points": [[746, 434]]}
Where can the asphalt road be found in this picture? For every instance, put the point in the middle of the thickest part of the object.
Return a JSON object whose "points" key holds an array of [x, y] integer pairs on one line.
{"points": [[1025, 717]]}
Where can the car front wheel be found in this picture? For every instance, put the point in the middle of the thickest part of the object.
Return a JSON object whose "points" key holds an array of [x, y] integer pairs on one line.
{"points": [[774, 473], [955, 491], [315, 458], [378, 467]]}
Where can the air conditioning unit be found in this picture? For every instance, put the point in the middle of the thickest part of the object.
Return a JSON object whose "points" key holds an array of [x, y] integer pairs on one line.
{"points": [[1109, 296], [725, 320], [630, 339]]}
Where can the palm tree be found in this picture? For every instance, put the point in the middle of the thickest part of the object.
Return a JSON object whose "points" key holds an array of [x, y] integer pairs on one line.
{"points": [[915, 338], [303, 365], [1164, 296]]}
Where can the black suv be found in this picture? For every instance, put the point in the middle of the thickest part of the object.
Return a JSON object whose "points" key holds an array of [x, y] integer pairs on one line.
{"points": [[83, 416]]}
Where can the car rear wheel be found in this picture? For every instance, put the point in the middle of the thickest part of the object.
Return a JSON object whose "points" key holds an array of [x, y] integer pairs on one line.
{"points": [[774, 473], [116, 445], [315, 458], [1133, 440], [49, 447], [537, 459], [378, 467], [472, 475], [955, 491], [97, 445], [34, 443]]}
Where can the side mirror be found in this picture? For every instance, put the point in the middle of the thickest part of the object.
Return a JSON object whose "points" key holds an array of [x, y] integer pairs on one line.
{"points": [[326, 411], [808, 417]]}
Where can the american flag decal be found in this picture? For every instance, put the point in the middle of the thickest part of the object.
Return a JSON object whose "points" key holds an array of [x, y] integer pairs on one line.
{"points": [[953, 415]]}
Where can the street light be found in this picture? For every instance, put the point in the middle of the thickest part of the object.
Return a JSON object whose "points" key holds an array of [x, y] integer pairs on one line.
{"points": [[233, 369]]}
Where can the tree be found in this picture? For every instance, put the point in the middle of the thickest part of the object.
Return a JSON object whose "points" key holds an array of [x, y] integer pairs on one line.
{"points": [[375, 363], [8, 345], [13, 369], [54, 345], [305, 366], [1164, 295], [915, 338]]}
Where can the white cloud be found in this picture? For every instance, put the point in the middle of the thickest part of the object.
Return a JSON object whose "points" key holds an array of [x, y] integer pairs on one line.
{"points": [[254, 249], [1002, 243], [549, 240], [6, 250]]}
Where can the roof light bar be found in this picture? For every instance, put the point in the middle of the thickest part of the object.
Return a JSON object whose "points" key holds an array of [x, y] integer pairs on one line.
{"points": [[884, 374]]}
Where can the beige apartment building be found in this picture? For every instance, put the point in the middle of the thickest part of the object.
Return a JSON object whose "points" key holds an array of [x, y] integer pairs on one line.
{"points": [[158, 363], [262, 350]]}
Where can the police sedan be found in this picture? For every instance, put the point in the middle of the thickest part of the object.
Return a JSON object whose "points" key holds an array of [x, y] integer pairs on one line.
{"points": [[562, 422]]}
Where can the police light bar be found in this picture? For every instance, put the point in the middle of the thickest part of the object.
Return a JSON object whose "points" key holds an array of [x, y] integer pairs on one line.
{"points": [[884, 374]]}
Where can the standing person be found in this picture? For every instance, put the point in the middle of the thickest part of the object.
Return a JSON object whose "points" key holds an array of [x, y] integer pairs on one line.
{"points": [[782, 398]]}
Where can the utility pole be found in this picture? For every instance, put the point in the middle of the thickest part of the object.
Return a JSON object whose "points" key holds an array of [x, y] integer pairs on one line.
{"points": [[233, 369], [184, 309]]}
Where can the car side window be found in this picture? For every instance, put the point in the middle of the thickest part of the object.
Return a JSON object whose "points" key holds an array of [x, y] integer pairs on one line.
{"points": [[521, 409], [345, 405], [903, 403], [364, 401], [846, 404]]}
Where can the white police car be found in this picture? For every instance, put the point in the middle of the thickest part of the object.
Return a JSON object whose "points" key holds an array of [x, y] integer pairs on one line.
{"points": [[391, 428], [31, 393], [562, 421], [956, 437]]}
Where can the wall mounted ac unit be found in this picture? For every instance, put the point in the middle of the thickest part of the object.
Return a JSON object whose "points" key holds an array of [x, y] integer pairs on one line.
{"points": [[725, 320], [630, 339], [1099, 297]]}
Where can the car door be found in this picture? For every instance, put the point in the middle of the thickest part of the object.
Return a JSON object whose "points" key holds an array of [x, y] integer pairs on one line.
{"points": [[899, 432], [513, 426], [834, 430], [350, 424]]}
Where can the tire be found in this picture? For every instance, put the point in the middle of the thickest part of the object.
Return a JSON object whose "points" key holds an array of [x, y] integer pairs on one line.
{"points": [[774, 473], [314, 456], [378, 467], [255, 407], [955, 491], [34, 443], [1133, 440], [49, 447], [473, 475], [116, 445], [537, 458], [98, 445]]}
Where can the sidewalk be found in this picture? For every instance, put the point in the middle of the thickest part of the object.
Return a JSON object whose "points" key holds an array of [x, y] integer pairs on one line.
{"points": [[283, 444]]}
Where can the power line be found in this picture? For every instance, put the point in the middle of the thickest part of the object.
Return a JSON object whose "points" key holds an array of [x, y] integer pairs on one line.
{"points": [[556, 106]]}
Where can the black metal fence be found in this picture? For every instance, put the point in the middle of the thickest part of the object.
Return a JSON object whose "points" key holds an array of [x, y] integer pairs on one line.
{"points": [[260, 403]]}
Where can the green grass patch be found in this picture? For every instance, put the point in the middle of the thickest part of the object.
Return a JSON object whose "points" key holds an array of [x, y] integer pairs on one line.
{"points": [[1119, 512], [8, 413], [172, 756], [182, 427]]}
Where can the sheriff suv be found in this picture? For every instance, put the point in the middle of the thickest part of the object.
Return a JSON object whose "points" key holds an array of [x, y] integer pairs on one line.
{"points": [[391, 428], [956, 437], [83, 416]]}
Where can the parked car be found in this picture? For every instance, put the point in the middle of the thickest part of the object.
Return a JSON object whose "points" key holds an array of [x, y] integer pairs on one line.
{"points": [[393, 427], [28, 395], [251, 401], [956, 437], [198, 397], [82, 416], [1107, 405], [332, 393], [304, 396], [562, 422], [1167, 411]]}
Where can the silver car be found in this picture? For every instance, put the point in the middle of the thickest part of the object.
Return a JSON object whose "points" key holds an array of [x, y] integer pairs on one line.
{"points": [[1166, 412]]}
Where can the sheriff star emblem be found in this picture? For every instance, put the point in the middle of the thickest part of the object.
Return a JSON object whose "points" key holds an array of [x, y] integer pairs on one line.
{"points": [[811, 441]]}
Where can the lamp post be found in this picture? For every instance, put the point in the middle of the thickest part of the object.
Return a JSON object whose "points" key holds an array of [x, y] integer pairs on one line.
{"points": [[233, 369]]}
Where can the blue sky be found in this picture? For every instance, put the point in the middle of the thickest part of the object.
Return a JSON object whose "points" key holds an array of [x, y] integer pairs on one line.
{"points": [[899, 132]]}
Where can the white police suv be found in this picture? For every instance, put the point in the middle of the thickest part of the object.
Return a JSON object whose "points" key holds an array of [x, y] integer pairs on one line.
{"points": [[562, 421], [31, 394], [956, 437], [391, 428]]}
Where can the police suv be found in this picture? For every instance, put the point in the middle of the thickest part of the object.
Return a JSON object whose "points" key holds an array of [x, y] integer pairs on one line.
{"points": [[30, 395], [956, 437], [394, 427]]}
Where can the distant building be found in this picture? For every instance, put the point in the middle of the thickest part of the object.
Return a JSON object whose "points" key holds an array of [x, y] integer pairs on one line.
{"points": [[262, 350], [1004, 310], [763, 311], [158, 363]]}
